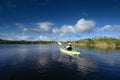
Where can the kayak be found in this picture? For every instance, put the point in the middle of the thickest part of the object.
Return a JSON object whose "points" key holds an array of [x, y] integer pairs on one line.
{"points": [[69, 52]]}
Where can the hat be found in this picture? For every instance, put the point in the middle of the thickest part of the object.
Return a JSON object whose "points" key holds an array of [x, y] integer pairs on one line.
{"points": [[69, 43]]}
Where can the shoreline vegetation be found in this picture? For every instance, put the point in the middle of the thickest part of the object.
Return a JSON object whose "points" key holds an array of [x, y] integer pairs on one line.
{"points": [[111, 43], [25, 42], [94, 42]]}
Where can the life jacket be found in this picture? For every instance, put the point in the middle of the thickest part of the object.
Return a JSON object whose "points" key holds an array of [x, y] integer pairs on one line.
{"points": [[69, 47]]}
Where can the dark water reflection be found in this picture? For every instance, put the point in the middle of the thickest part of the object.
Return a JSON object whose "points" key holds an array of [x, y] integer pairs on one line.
{"points": [[45, 62]]}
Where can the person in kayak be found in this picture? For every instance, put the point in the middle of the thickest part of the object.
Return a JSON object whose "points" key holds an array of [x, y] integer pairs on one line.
{"points": [[69, 46]]}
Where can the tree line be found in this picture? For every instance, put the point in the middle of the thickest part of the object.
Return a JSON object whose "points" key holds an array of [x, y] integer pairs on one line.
{"points": [[25, 42], [100, 42]]}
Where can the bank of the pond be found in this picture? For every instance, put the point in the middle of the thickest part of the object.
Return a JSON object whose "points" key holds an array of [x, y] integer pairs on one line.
{"points": [[25, 42], [100, 43], [95, 42]]}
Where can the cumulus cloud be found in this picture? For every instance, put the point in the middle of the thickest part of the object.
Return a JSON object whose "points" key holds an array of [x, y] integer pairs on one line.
{"points": [[45, 38], [44, 26], [105, 28], [117, 28], [64, 29], [40, 28], [22, 37], [82, 25], [13, 36], [109, 28]]}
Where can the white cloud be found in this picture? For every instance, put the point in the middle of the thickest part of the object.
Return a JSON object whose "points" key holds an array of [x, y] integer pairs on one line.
{"points": [[105, 28], [64, 29], [84, 25], [40, 28], [22, 37], [13, 36], [109, 28], [45, 38], [117, 28], [44, 26], [25, 29], [7, 36]]}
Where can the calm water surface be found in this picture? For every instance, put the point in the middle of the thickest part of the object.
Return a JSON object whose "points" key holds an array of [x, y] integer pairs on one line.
{"points": [[46, 62]]}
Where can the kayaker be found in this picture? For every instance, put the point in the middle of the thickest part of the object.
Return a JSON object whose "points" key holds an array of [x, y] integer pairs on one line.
{"points": [[69, 46]]}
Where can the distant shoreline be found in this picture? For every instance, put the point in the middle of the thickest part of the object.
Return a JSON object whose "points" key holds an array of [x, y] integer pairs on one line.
{"points": [[25, 42], [99, 42]]}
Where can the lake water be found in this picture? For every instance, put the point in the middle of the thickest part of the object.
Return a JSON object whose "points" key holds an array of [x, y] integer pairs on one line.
{"points": [[46, 62]]}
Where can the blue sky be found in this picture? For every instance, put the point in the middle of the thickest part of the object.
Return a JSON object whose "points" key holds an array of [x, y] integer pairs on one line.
{"points": [[59, 19]]}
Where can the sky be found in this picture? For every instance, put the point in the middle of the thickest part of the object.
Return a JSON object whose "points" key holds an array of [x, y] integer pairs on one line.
{"points": [[59, 20]]}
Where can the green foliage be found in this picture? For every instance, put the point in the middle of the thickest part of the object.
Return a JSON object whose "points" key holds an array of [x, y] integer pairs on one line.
{"points": [[89, 42], [25, 42]]}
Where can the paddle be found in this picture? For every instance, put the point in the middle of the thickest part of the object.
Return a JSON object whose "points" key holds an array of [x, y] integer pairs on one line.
{"points": [[59, 43]]}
